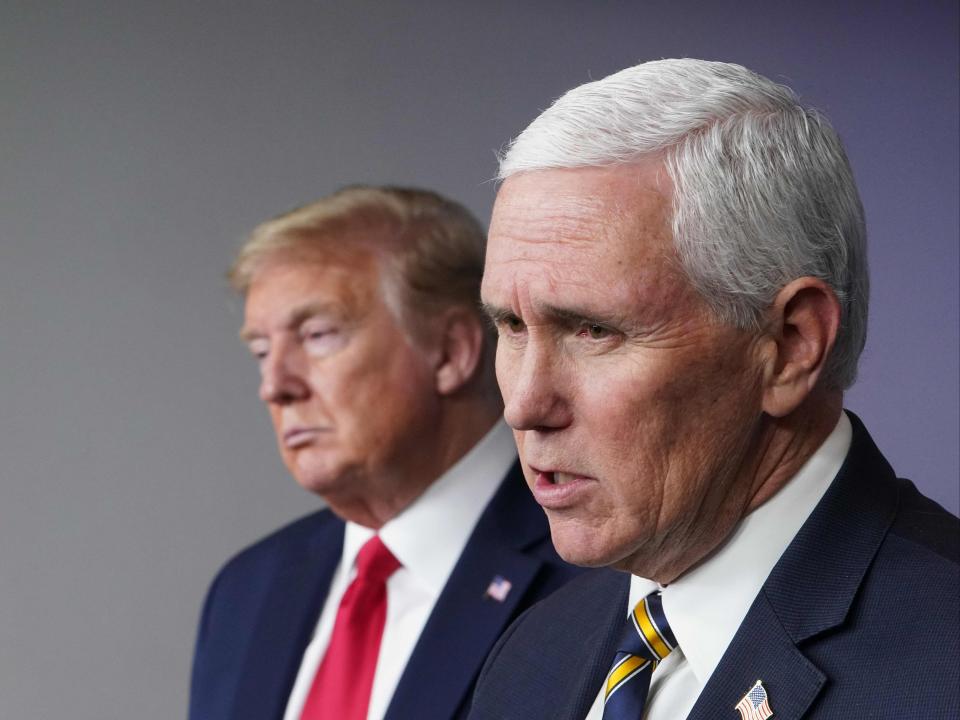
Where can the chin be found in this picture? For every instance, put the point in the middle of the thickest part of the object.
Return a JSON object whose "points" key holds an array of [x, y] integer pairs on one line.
{"points": [[588, 546], [313, 472], [315, 481], [314, 486], [579, 548]]}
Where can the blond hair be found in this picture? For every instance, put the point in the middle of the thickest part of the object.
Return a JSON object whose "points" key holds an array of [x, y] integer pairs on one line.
{"points": [[432, 247]]}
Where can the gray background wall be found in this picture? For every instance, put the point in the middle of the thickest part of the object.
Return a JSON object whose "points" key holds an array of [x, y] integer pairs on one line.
{"points": [[139, 141]]}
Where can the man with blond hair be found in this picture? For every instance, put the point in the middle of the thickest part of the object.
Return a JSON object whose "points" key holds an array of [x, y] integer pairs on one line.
{"points": [[676, 266], [362, 313]]}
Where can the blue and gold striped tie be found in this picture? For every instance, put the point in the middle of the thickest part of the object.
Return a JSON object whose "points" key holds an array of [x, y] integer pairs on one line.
{"points": [[647, 640]]}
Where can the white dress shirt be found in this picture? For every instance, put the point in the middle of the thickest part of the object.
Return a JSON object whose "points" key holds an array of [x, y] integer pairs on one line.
{"points": [[427, 538], [706, 605]]}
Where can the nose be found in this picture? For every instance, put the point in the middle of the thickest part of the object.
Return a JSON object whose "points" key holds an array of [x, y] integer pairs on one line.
{"points": [[534, 393], [283, 378]]}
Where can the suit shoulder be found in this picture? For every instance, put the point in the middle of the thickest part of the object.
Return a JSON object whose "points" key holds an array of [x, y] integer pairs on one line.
{"points": [[552, 647], [285, 542], [927, 525], [562, 614], [585, 595], [241, 582]]}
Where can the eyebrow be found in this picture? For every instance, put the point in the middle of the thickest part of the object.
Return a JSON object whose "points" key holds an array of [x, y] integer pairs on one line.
{"points": [[573, 317], [493, 312], [566, 316], [297, 316]]}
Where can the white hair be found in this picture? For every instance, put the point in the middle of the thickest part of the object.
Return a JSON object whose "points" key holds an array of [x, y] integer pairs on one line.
{"points": [[763, 190]]}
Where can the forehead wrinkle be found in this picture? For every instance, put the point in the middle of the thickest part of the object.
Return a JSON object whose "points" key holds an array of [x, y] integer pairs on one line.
{"points": [[575, 220], [593, 227], [571, 239]]}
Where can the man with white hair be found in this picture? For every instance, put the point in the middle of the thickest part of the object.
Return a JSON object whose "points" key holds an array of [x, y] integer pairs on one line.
{"points": [[676, 267]]}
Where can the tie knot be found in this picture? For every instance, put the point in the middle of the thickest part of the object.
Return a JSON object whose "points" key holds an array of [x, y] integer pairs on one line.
{"points": [[648, 635], [375, 562]]}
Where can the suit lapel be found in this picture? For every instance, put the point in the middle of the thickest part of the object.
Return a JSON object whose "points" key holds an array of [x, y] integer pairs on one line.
{"points": [[465, 622], [285, 625], [809, 591], [762, 651], [599, 644]]}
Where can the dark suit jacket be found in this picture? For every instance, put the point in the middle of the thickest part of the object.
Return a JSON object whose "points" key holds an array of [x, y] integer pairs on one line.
{"points": [[858, 619], [263, 607]]}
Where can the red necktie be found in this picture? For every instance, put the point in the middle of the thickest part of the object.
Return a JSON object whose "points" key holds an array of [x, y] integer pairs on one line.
{"points": [[341, 688]]}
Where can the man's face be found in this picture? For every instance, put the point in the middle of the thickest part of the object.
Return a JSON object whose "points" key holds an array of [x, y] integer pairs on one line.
{"points": [[636, 413], [351, 396]]}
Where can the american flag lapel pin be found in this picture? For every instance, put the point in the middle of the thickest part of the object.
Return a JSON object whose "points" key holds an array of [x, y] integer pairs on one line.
{"points": [[498, 589], [755, 705]]}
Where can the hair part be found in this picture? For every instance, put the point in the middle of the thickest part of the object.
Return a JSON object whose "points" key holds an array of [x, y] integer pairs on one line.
{"points": [[763, 192]]}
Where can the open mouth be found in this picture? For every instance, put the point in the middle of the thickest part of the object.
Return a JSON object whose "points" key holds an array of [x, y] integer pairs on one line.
{"points": [[556, 477], [559, 478], [558, 490]]}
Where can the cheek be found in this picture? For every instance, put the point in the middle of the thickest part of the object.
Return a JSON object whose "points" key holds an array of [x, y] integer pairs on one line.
{"points": [[644, 425], [397, 395], [518, 438], [631, 405], [274, 411], [505, 365], [276, 420]]}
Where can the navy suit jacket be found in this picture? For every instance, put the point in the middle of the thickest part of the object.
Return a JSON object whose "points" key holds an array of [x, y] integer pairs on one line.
{"points": [[858, 619], [262, 609]]}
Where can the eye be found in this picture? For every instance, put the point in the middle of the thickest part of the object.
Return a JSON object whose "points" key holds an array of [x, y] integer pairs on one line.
{"points": [[259, 347], [315, 329], [595, 331], [320, 337], [512, 323]]}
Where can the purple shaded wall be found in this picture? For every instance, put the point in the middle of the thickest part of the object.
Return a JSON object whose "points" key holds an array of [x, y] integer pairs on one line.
{"points": [[139, 141]]}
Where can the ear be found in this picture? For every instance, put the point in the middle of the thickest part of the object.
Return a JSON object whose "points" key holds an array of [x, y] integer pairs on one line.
{"points": [[460, 349], [803, 324]]}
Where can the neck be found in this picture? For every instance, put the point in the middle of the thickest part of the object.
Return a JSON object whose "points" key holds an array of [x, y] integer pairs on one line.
{"points": [[461, 425], [780, 448], [465, 423], [791, 441]]}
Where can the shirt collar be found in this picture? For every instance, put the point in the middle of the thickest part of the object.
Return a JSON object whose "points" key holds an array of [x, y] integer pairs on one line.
{"points": [[429, 535], [706, 606]]}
